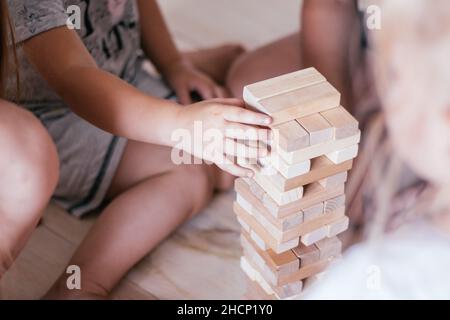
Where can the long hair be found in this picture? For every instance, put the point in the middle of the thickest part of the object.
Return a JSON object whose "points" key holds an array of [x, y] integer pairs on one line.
{"points": [[415, 36], [8, 54]]}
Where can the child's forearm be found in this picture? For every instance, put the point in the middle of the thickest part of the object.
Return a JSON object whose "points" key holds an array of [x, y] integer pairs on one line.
{"points": [[98, 96], [157, 42], [117, 107]]}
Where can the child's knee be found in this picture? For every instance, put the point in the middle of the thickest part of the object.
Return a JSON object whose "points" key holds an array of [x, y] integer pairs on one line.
{"points": [[31, 168], [6, 260], [46, 163], [200, 183], [237, 76]]}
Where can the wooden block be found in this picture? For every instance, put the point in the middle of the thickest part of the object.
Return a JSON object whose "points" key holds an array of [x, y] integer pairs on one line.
{"points": [[244, 203], [299, 275], [285, 262], [260, 196], [321, 221], [282, 225], [292, 221], [304, 272], [256, 189], [334, 180], [258, 264], [338, 227], [345, 125], [307, 254], [244, 225], [280, 292], [313, 194], [333, 204], [258, 240], [343, 155], [262, 271], [297, 103], [316, 150], [314, 236], [275, 226], [318, 277], [271, 287], [280, 264], [268, 223], [313, 212], [254, 291], [279, 241], [282, 84], [263, 283], [280, 197], [291, 136], [297, 231], [256, 195], [288, 290], [287, 226], [261, 235], [251, 254], [321, 168], [289, 171], [248, 269], [329, 248], [285, 246], [318, 128]]}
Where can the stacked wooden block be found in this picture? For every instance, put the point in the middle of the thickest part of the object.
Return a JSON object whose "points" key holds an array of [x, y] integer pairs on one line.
{"points": [[293, 209]]}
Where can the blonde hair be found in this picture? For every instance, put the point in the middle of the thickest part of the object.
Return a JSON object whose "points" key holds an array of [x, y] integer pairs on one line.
{"points": [[415, 38], [417, 32]]}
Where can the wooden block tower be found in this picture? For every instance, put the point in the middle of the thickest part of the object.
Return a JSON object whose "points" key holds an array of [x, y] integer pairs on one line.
{"points": [[293, 209]]}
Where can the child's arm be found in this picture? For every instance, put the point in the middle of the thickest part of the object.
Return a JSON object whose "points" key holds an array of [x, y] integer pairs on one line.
{"points": [[327, 30], [161, 50], [115, 106]]}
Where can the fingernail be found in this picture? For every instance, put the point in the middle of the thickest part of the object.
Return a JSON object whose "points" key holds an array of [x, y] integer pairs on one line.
{"points": [[268, 120]]}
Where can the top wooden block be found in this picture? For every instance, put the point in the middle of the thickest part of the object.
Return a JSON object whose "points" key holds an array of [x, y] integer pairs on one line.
{"points": [[292, 96], [283, 84]]}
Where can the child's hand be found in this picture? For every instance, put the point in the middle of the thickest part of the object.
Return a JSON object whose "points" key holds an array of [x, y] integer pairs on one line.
{"points": [[184, 78], [219, 130]]}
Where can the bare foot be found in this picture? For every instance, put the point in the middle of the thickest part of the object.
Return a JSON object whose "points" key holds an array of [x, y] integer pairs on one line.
{"points": [[72, 295], [216, 62], [59, 291]]}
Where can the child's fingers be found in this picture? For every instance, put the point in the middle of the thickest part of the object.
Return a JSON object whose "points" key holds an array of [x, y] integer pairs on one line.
{"points": [[220, 92], [246, 116], [183, 95], [246, 132], [230, 102], [247, 163], [240, 150], [236, 170], [206, 90]]}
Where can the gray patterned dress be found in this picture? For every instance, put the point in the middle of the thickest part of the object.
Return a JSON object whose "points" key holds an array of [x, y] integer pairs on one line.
{"points": [[110, 31]]}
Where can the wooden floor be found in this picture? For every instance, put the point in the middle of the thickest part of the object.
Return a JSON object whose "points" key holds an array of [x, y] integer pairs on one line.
{"points": [[201, 259]]}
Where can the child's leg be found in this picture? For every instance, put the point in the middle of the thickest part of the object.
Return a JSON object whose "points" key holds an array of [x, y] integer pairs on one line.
{"points": [[217, 61], [279, 57], [28, 176], [153, 198]]}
